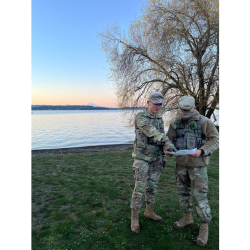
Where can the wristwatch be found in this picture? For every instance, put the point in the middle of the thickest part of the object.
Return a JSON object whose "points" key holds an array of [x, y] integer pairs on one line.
{"points": [[202, 152]]}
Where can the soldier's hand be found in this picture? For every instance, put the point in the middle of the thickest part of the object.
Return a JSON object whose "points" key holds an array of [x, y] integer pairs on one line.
{"points": [[196, 154], [174, 149], [169, 147], [166, 146], [169, 155]]}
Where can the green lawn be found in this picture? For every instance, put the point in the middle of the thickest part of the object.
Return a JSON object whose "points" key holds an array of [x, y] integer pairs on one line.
{"points": [[81, 201]]}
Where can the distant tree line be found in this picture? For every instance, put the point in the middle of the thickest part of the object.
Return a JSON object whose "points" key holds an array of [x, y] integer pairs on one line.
{"points": [[68, 107], [76, 107]]}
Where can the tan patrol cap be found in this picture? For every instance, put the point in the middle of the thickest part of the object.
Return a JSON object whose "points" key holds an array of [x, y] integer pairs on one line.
{"points": [[156, 98], [186, 104]]}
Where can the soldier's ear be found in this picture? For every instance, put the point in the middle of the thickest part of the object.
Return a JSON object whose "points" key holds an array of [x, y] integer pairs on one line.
{"points": [[194, 107]]}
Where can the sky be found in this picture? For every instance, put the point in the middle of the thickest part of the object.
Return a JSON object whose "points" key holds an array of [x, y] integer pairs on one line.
{"points": [[68, 66]]}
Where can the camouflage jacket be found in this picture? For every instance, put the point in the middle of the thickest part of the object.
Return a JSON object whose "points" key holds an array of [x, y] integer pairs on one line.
{"points": [[149, 137], [209, 143]]}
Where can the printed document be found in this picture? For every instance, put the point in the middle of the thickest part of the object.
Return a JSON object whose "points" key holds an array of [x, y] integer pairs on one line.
{"points": [[184, 152]]}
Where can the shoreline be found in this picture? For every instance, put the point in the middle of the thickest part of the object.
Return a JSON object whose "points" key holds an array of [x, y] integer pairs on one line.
{"points": [[77, 150]]}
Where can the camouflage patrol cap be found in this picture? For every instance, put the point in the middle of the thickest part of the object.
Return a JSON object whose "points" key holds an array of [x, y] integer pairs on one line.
{"points": [[186, 105], [156, 98]]}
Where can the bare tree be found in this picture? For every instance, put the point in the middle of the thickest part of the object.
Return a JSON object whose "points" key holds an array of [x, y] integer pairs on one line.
{"points": [[172, 48]]}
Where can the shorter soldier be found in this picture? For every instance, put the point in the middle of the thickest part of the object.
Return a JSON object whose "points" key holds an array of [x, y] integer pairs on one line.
{"points": [[192, 130], [148, 154]]}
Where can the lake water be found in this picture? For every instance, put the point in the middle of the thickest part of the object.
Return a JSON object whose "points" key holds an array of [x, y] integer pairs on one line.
{"points": [[78, 128]]}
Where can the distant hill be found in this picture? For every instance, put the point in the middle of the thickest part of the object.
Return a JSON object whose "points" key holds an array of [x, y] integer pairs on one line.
{"points": [[92, 104]]}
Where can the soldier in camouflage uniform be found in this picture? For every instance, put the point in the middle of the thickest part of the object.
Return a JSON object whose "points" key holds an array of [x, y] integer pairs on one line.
{"points": [[148, 153], [192, 130]]}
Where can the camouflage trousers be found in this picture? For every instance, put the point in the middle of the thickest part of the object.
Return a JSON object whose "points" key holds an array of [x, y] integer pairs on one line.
{"points": [[192, 182], [146, 176]]}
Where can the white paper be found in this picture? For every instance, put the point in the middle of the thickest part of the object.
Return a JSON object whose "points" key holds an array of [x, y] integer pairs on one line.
{"points": [[184, 152]]}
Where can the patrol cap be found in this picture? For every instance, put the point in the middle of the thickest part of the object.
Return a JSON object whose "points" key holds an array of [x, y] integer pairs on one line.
{"points": [[186, 104], [156, 98]]}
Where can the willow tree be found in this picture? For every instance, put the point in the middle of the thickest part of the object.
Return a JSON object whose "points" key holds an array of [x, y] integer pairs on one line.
{"points": [[173, 48]]}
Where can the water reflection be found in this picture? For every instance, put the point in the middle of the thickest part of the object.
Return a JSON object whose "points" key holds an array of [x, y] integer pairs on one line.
{"points": [[78, 128]]}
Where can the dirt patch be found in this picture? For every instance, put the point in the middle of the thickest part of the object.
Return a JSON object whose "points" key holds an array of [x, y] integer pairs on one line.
{"points": [[77, 150]]}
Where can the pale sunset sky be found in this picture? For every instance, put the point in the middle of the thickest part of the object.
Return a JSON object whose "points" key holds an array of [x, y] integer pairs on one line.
{"points": [[68, 66]]}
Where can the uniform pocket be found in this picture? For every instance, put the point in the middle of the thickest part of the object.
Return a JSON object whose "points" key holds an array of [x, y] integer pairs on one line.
{"points": [[180, 132], [180, 143], [191, 143], [141, 143], [140, 140]]}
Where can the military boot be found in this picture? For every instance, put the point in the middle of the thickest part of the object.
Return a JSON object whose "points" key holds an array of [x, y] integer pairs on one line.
{"points": [[135, 228], [187, 220], [203, 235], [149, 214]]}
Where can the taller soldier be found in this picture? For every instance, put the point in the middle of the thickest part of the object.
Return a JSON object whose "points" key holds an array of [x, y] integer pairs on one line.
{"points": [[148, 163], [192, 130]]}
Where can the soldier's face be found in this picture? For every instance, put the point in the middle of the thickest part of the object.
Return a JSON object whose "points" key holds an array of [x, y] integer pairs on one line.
{"points": [[153, 109]]}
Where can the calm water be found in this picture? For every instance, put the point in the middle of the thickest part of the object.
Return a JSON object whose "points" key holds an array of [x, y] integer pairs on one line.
{"points": [[78, 128]]}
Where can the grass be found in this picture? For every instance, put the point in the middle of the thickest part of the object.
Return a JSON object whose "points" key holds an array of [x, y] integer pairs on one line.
{"points": [[81, 201]]}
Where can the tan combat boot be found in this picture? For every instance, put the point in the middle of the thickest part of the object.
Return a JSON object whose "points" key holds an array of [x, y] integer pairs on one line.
{"points": [[135, 228], [203, 235], [187, 220], [149, 214]]}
